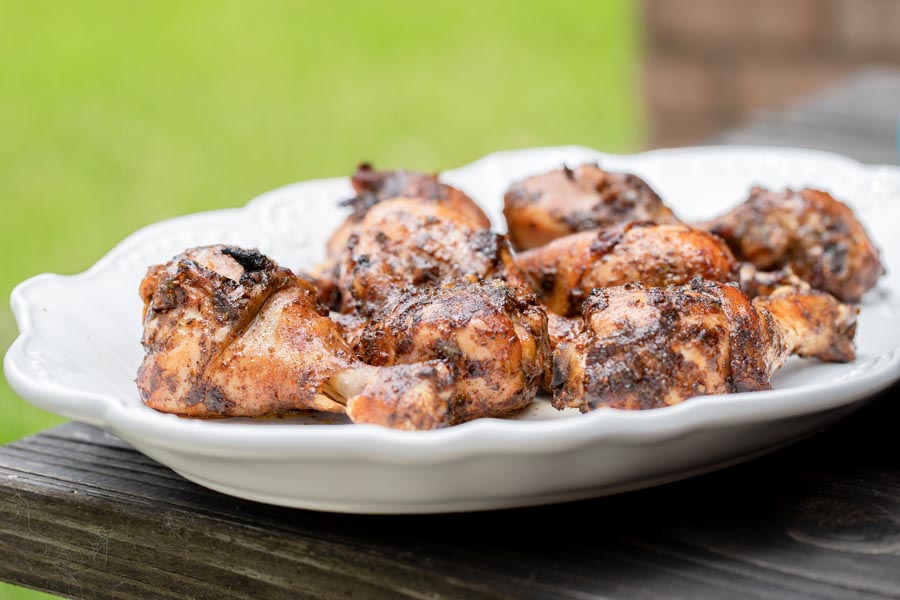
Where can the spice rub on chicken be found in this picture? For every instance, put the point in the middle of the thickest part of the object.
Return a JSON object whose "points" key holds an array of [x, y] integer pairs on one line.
{"points": [[438, 202], [811, 232], [434, 320], [409, 243], [565, 271], [229, 333], [544, 207], [372, 187], [647, 347], [493, 335]]}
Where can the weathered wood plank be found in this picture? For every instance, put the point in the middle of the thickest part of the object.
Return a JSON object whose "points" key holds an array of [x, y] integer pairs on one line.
{"points": [[181, 550], [816, 520], [84, 515]]}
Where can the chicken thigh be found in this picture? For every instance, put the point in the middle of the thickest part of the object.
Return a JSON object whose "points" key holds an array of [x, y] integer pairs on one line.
{"points": [[373, 186], [545, 207], [566, 270], [811, 232], [648, 347], [408, 242], [229, 333]]}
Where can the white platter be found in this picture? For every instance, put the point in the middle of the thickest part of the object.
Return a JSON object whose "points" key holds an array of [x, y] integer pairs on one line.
{"points": [[79, 350]]}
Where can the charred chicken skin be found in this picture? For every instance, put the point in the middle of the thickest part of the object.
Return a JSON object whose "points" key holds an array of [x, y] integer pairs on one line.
{"points": [[612, 302], [565, 271], [811, 232], [648, 347], [409, 243], [545, 207], [229, 333], [372, 187], [493, 335]]}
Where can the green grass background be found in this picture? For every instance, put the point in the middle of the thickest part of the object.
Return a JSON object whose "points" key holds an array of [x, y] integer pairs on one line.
{"points": [[117, 114]]}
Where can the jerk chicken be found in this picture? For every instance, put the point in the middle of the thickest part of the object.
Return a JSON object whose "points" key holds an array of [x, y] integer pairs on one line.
{"points": [[811, 232], [646, 347], [611, 302], [438, 202], [551, 205], [411, 242], [229, 333], [493, 335], [371, 187], [565, 271]]}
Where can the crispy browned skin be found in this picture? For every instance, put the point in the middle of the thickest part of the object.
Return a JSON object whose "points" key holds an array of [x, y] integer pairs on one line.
{"points": [[229, 333], [494, 335], [545, 207], [815, 235], [565, 271], [408, 242], [647, 347], [373, 186], [194, 307]]}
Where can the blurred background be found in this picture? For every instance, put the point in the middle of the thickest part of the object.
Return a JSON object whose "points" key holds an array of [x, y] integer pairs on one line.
{"points": [[114, 115]]}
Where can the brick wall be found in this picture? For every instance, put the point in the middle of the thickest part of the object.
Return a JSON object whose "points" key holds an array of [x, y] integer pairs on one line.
{"points": [[710, 62]]}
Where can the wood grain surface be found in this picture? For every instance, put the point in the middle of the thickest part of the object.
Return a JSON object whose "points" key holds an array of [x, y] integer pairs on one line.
{"points": [[83, 515]]}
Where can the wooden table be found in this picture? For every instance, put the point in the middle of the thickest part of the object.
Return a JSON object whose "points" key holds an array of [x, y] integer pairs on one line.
{"points": [[84, 515]]}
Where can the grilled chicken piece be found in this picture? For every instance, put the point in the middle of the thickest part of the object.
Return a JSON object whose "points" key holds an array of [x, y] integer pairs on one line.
{"points": [[410, 242], [545, 207], [229, 333], [810, 232], [566, 270], [373, 186], [495, 337], [645, 347]]}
